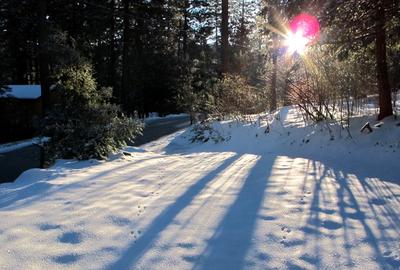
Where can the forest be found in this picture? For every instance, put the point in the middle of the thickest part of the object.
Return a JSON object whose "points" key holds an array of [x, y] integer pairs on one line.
{"points": [[213, 57], [200, 134]]}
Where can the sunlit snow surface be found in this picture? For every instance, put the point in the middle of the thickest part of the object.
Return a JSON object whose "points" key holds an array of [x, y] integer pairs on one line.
{"points": [[287, 199]]}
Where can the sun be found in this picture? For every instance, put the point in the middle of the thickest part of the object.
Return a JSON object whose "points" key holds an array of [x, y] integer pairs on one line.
{"points": [[303, 31], [296, 42]]}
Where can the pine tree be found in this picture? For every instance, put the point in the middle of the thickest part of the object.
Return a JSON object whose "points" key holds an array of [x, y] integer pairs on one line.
{"points": [[225, 36], [83, 123]]}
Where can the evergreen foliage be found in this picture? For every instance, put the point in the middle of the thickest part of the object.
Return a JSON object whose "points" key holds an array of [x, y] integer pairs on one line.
{"points": [[83, 123]]}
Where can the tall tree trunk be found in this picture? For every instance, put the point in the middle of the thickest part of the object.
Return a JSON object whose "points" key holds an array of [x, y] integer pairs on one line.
{"points": [[225, 36], [112, 48], [20, 62], [273, 104], [241, 39], [185, 29], [242, 28], [43, 55], [17, 49], [137, 91], [125, 53], [385, 100], [216, 16]]}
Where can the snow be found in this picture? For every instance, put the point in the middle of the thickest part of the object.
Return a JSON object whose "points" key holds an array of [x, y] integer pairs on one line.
{"points": [[23, 91], [154, 117], [8, 147], [288, 199]]}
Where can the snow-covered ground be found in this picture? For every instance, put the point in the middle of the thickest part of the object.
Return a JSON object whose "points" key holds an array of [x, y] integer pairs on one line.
{"points": [[290, 198]]}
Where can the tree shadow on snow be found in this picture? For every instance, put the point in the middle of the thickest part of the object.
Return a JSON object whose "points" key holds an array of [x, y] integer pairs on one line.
{"points": [[233, 236], [352, 205], [36, 184], [230, 243], [136, 250]]}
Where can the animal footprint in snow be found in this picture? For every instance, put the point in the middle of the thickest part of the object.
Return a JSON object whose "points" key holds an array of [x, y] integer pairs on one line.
{"points": [[67, 258], [47, 227], [286, 229], [141, 209], [135, 235], [331, 225], [302, 199], [286, 232], [70, 238]]}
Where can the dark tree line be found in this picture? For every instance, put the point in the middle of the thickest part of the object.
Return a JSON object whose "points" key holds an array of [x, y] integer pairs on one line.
{"points": [[139, 48], [147, 50]]}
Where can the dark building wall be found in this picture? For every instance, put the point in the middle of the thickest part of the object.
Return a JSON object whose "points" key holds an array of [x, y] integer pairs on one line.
{"points": [[17, 118]]}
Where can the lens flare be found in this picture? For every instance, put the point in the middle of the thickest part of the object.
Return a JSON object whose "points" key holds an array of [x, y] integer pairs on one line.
{"points": [[296, 42], [303, 31]]}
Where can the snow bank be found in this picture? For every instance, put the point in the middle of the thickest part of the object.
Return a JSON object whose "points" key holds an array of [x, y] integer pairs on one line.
{"points": [[155, 117], [8, 147]]}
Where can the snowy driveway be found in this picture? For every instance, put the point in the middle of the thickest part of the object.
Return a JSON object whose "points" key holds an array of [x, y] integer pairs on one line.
{"points": [[202, 211]]}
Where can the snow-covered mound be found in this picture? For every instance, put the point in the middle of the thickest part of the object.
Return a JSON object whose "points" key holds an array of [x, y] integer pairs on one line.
{"points": [[286, 133], [277, 194]]}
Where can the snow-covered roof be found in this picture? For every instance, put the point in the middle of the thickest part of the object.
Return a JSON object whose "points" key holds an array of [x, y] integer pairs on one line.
{"points": [[23, 91]]}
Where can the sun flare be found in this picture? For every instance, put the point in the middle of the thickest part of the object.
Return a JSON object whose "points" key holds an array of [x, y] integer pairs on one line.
{"points": [[303, 31], [296, 42]]}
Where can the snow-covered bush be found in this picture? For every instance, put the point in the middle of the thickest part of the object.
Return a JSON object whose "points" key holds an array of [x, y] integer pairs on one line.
{"points": [[83, 123], [204, 132]]}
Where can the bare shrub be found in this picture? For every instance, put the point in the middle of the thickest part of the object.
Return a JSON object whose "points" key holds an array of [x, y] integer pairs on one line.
{"points": [[326, 88], [234, 97]]}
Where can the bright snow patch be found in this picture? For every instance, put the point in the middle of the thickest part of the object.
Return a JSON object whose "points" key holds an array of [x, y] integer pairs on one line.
{"points": [[288, 199]]}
